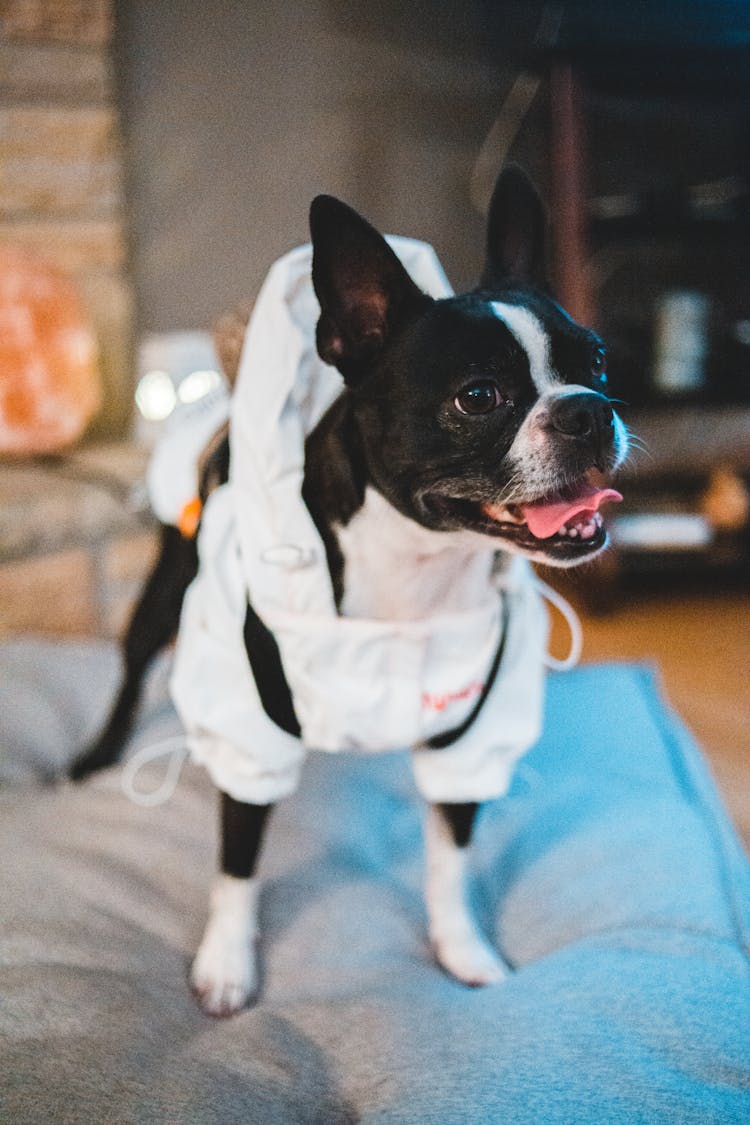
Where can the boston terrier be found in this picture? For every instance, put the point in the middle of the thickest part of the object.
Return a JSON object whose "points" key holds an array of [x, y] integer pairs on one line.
{"points": [[468, 430]]}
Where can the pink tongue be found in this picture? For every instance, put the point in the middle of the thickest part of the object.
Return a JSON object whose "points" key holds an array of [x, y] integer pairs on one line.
{"points": [[545, 520]]}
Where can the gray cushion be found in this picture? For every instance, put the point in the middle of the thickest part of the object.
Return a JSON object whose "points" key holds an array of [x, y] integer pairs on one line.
{"points": [[610, 877]]}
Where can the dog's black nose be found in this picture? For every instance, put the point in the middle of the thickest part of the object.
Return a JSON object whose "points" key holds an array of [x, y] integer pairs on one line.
{"points": [[585, 418]]}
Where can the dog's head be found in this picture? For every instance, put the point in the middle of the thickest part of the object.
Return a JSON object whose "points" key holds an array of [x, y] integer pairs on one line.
{"points": [[485, 412]]}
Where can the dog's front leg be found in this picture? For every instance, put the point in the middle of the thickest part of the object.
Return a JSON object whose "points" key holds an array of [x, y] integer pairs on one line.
{"points": [[456, 941], [224, 976]]}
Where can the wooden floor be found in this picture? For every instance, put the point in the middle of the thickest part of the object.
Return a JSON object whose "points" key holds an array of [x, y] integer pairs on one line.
{"points": [[701, 645]]}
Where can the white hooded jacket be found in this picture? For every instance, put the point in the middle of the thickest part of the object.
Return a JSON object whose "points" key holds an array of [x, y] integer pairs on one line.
{"points": [[356, 684]]}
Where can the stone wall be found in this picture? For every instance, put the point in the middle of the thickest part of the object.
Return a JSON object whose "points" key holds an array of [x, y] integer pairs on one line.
{"points": [[76, 541], [61, 167]]}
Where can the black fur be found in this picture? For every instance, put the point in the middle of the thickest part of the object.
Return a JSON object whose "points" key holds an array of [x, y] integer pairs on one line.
{"points": [[152, 626], [335, 478], [242, 827], [460, 819], [154, 621], [516, 234], [265, 662], [406, 357]]}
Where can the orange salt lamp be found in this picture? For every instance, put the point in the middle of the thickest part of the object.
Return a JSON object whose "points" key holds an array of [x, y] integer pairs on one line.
{"points": [[49, 379]]}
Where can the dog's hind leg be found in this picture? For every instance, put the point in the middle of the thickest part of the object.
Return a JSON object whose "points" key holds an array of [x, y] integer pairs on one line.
{"points": [[457, 943], [225, 974], [152, 626]]}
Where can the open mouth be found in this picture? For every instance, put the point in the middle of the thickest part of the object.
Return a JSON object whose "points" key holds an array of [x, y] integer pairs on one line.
{"points": [[563, 526]]}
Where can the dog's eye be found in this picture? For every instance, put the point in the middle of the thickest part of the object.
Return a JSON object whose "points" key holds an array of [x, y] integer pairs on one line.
{"points": [[478, 398], [599, 365]]}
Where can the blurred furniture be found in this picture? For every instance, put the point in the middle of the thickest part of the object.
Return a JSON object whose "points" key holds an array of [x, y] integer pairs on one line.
{"points": [[661, 265]]}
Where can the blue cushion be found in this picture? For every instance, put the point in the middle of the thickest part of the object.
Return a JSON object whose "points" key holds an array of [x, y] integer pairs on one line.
{"points": [[622, 895]]}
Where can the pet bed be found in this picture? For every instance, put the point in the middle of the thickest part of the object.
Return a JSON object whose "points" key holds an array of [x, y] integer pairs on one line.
{"points": [[610, 877]]}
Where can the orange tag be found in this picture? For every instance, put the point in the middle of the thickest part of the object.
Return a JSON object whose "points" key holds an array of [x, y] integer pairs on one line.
{"points": [[189, 519]]}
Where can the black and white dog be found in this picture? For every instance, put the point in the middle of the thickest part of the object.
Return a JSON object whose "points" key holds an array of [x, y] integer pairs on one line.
{"points": [[467, 426]]}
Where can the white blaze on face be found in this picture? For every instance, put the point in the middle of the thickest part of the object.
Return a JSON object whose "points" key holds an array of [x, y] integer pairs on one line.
{"points": [[534, 458], [530, 334]]}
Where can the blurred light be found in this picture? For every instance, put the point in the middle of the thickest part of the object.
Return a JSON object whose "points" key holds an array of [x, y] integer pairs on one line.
{"points": [[197, 385], [661, 531], [155, 396]]}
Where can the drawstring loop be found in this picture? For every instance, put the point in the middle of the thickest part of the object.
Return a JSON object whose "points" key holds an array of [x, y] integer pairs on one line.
{"points": [[176, 750], [574, 624]]}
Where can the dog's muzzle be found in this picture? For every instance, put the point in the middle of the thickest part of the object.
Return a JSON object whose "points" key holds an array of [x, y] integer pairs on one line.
{"points": [[586, 421]]}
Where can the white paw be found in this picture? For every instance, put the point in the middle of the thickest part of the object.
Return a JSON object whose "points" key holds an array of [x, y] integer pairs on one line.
{"points": [[224, 976], [456, 941], [469, 959]]}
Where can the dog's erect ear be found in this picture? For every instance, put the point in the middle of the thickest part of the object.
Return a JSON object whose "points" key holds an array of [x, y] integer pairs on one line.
{"points": [[516, 232], [363, 289]]}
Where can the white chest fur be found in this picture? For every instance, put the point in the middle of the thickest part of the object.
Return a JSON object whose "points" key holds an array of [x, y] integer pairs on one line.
{"points": [[396, 570]]}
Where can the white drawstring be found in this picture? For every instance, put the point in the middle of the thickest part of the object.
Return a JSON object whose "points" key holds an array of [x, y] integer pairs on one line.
{"points": [[574, 624], [176, 750]]}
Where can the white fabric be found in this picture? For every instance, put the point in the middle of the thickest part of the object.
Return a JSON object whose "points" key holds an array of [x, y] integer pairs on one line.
{"points": [[282, 390], [357, 684], [172, 475]]}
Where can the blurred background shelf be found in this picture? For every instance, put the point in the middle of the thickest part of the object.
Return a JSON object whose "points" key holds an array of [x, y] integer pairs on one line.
{"points": [[649, 141]]}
